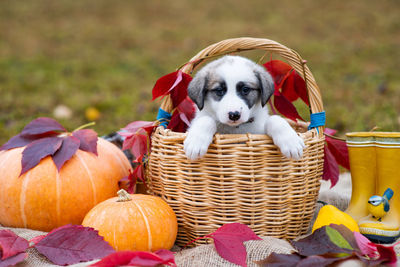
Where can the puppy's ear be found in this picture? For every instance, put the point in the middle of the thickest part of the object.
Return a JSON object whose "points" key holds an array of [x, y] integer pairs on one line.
{"points": [[266, 84], [197, 88]]}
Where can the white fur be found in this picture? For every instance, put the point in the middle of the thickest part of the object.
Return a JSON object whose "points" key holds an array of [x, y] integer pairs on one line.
{"points": [[214, 115], [232, 73]]}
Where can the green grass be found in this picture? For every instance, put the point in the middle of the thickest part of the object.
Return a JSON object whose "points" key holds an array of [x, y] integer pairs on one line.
{"points": [[108, 54]]}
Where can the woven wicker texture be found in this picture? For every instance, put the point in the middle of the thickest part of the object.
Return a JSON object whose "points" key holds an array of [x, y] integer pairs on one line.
{"points": [[242, 178]]}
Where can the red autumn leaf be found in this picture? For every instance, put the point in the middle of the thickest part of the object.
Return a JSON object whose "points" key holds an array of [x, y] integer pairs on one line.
{"points": [[46, 137], [318, 243], [70, 145], [179, 92], [167, 256], [240, 231], [88, 140], [136, 137], [11, 244], [182, 116], [128, 142], [374, 254], [279, 71], [178, 79], [228, 240], [138, 144], [300, 87], [178, 96], [367, 248], [231, 249], [138, 173], [176, 124], [285, 77], [387, 255], [286, 108], [149, 130], [143, 258], [11, 261], [36, 239], [137, 258], [132, 179], [339, 150], [294, 87], [119, 258], [280, 260], [288, 87], [331, 168], [165, 83], [186, 110], [133, 127], [330, 131], [42, 126], [347, 234], [322, 249], [71, 244], [17, 141], [160, 257], [295, 260], [140, 159], [37, 150], [272, 107], [317, 260], [175, 84]]}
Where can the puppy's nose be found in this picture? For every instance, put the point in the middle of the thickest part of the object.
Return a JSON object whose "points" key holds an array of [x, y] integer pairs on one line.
{"points": [[234, 116]]}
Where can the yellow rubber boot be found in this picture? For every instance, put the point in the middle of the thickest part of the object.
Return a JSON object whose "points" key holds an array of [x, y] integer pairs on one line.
{"points": [[386, 229], [362, 156]]}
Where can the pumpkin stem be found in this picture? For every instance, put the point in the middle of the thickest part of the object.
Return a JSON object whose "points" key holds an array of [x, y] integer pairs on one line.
{"points": [[84, 126], [123, 196]]}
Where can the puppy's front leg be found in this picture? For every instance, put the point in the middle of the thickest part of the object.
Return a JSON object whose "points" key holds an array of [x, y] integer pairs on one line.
{"points": [[290, 144], [199, 137]]}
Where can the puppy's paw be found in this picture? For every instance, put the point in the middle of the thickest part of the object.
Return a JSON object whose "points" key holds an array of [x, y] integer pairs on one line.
{"points": [[196, 145], [291, 145]]}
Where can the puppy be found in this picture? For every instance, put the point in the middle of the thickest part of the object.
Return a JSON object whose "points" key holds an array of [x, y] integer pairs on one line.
{"points": [[231, 95]]}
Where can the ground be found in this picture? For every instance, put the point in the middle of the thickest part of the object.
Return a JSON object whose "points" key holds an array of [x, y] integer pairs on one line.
{"points": [[108, 55]]}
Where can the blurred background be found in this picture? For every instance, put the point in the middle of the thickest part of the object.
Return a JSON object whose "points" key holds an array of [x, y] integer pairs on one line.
{"points": [[78, 61]]}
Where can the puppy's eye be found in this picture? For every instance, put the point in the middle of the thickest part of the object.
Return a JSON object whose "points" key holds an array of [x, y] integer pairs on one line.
{"points": [[219, 91], [245, 90]]}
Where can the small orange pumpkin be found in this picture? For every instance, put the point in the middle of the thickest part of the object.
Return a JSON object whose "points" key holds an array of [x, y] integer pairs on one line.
{"points": [[44, 198], [134, 222]]}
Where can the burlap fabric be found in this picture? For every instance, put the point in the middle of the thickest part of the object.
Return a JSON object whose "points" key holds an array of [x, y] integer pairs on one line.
{"points": [[205, 255]]}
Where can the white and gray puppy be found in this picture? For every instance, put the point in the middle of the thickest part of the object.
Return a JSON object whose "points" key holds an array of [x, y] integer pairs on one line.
{"points": [[231, 95]]}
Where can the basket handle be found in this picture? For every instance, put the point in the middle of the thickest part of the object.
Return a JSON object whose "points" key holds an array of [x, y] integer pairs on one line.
{"points": [[247, 43]]}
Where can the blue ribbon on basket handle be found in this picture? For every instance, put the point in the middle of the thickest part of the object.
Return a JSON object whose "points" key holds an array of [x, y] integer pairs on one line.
{"points": [[163, 117], [316, 120]]}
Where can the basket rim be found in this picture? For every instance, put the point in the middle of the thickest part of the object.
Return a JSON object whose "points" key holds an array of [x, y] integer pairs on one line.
{"points": [[169, 134]]}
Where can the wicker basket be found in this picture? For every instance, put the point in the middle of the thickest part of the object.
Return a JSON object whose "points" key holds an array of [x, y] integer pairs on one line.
{"points": [[242, 178]]}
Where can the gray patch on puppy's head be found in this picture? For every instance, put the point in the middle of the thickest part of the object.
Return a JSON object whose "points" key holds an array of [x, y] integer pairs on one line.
{"points": [[266, 84], [197, 88], [253, 94]]}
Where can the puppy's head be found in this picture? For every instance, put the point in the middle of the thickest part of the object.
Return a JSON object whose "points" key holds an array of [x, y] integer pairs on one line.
{"points": [[230, 87]]}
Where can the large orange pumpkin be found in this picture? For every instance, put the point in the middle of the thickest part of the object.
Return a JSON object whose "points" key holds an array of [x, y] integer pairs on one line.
{"points": [[134, 222], [44, 198]]}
